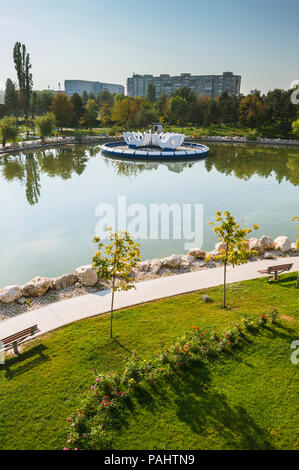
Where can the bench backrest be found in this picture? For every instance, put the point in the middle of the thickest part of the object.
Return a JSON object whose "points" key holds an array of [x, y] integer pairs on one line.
{"points": [[279, 267], [18, 336]]}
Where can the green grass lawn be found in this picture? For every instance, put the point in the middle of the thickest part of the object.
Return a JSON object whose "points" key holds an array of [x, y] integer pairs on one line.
{"points": [[246, 400]]}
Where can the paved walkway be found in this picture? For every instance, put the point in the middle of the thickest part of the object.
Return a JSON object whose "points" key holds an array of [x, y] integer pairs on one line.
{"points": [[68, 311]]}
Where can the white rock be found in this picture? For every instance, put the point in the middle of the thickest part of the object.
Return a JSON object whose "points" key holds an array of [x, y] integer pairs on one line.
{"points": [[266, 242], [66, 280], [144, 265], [156, 265], [294, 247], [283, 244], [10, 294], [269, 255], [197, 253], [199, 264], [172, 262], [87, 275], [188, 260], [254, 245], [37, 287]]}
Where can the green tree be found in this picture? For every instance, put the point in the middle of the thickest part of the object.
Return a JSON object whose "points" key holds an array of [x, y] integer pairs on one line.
{"points": [[8, 129], [104, 97], [11, 98], [77, 103], [253, 111], [33, 104], [91, 114], [114, 263], [179, 111], [85, 97], [63, 110], [186, 93], [295, 128], [23, 67], [45, 125], [125, 108], [105, 113], [235, 249], [151, 93]]}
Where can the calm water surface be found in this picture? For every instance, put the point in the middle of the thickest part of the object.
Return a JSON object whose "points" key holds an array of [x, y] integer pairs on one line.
{"points": [[48, 200]]}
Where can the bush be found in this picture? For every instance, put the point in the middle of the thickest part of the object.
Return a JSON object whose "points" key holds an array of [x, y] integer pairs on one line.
{"points": [[45, 125], [8, 129], [295, 128], [252, 135]]}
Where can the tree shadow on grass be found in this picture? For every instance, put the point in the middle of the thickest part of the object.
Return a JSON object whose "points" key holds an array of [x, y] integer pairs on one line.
{"points": [[18, 365], [288, 282], [189, 394], [201, 407]]}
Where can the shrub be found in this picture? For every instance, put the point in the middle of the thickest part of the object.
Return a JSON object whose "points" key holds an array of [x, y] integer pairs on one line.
{"points": [[8, 129], [273, 315], [45, 125], [252, 135]]}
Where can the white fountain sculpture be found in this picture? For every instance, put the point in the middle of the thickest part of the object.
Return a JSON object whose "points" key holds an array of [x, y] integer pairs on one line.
{"points": [[166, 141]]}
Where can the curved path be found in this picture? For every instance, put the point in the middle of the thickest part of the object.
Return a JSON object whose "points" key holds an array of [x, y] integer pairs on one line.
{"points": [[61, 313]]}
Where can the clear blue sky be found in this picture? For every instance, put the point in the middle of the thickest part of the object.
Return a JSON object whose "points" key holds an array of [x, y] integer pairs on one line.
{"points": [[108, 40]]}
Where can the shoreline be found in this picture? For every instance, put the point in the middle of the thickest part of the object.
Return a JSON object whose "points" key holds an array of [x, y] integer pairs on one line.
{"points": [[42, 291], [56, 142]]}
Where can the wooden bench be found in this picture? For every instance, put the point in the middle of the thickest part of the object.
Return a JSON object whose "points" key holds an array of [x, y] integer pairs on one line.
{"points": [[12, 342], [278, 269]]}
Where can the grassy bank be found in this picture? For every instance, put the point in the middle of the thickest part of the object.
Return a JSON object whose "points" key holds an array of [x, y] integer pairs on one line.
{"points": [[247, 400]]}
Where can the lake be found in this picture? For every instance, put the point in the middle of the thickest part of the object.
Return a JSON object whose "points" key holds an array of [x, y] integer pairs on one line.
{"points": [[49, 198]]}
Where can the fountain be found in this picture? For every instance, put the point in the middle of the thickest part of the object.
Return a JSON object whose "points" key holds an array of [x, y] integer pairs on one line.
{"points": [[148, 146]]}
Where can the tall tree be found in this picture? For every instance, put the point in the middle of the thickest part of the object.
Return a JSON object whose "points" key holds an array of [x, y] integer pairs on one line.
{"points": [[151, 92], [91, 114], [23, 67], [179, 111], [63, 110], [77, 102], [11, 98]]}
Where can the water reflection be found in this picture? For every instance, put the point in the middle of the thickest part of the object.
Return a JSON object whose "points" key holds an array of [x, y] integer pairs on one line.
{"points": [[245, 161], [241, 161], [133, 169]]}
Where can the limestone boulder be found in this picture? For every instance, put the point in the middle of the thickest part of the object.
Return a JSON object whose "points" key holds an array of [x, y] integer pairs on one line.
{"points": [[199, 265], [187, 261], [87, 275], [283, 244], [254, 245], [144, 265], [266, 243], [269, 255], [10, 294], [64, 281], [37, 287], [172, 262], [156, 265], [197, 253]]}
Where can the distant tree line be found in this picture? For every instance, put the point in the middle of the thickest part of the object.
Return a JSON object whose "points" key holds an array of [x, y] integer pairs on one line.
{"points": [[270, 115]]}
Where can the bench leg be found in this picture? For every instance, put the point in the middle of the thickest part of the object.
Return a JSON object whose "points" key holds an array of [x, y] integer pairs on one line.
{"points": [[275, 276], [15, 348]]}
